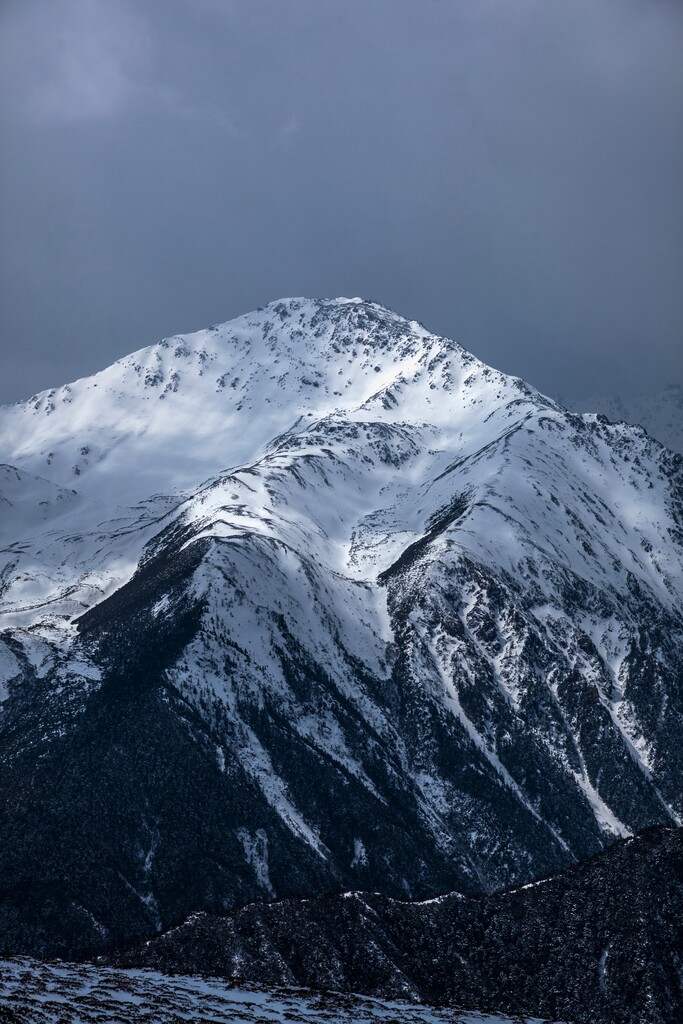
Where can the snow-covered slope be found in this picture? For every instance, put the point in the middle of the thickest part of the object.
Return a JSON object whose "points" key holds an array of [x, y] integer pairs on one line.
{"points": [[661, 414], [32, 992], [315, 599]]}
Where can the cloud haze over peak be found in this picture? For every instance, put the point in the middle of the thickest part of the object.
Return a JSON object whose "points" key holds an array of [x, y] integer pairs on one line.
{"points": [[507, 173]]}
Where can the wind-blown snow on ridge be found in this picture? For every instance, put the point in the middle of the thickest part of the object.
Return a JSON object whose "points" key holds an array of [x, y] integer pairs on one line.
{"points": [[426, 623]]}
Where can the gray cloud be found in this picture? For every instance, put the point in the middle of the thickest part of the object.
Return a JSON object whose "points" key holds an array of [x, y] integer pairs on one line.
{"points": [[507, 173], [82, 58]]}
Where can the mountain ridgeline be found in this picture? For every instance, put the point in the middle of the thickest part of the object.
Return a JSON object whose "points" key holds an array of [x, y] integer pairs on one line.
{"points": [[661, 414], [315, 601], [601, 943]]}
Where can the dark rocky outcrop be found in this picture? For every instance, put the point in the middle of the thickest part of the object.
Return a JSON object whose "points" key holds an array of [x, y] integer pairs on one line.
{"points": [[601, 943]]}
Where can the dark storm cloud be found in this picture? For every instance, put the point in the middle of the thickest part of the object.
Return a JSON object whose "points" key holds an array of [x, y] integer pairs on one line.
{"points": [[508, 173]]}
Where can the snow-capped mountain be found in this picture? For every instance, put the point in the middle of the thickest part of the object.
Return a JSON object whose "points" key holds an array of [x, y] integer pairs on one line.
{"points": [[316, 600], [661, 414]]}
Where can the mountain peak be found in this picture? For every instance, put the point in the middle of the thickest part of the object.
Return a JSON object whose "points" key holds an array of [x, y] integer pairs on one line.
{"points": [[189, 406], [388, 617]]}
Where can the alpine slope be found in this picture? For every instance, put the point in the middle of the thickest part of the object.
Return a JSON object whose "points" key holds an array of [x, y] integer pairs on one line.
{"points": [[312, 601]]}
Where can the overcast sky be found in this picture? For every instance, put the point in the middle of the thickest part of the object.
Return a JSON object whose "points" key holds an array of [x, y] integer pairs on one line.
{"points": [[509, 172]]}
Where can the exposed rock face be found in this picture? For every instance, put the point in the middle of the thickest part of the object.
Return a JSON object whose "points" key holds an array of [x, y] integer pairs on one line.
{"points": [[317, 601], [602, 942]]}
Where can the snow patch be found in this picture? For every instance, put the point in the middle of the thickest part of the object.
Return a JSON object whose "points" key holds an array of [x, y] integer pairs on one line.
{"points": [[256, 852], [360, 857]]}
